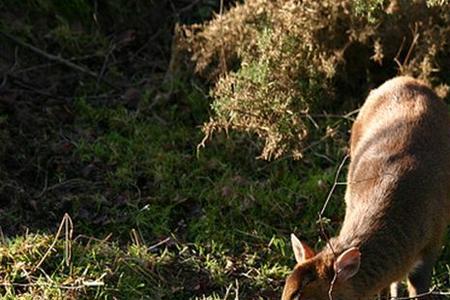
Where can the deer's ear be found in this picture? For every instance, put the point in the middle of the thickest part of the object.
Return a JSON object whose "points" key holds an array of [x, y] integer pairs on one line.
{"points": [[302, 251], [347, 264]]}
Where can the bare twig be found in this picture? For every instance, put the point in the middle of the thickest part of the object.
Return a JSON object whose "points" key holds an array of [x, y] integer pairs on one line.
{"points": [[35, 67], [28, 87], [330, 290], [227, 292], [49, 64], [335, 183], [223, 62], [136, 238], [347, 116], [67, 224], [68, 232], [74, 182], [52, 57], [85, 284], [188, 7], [397, 56], [10, 69], [90, 238], [425, 295], [100, 76], [44, 189], [416, 35], [2, 237], [322, 211], [145, 45], [153, 247]]}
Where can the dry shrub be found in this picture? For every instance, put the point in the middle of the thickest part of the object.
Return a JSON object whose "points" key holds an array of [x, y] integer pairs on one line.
{"points": [[274, 62]]}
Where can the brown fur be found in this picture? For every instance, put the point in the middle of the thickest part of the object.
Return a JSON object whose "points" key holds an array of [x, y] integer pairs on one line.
{"points": [[397, 197]]}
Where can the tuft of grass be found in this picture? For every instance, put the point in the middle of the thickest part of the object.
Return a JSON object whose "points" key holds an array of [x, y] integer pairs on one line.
{"points": [[100, 269]]}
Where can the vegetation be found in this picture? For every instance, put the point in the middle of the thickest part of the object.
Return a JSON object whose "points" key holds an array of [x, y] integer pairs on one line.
{"points": [[279, 62], [103, 192]]}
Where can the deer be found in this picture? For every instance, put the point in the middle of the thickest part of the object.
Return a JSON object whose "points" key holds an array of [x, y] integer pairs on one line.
{"points": [[397, 201]]}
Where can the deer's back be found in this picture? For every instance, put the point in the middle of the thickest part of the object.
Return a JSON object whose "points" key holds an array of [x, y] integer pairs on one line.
{"points": [[398, 185], [400, 163]]}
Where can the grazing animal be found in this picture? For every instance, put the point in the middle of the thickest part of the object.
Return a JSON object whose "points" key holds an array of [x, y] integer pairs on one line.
{"points": [[397, 200]]}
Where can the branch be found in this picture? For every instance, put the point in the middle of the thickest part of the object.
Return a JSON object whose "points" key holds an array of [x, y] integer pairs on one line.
{"points": [[52, 57]]}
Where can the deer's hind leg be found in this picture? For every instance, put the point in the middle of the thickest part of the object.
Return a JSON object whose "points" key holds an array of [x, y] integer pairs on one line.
{"points": [[419, 278], [389, 293], [393, 290]]}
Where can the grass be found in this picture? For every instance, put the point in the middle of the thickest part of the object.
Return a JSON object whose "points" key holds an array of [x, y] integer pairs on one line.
{"points": [[224, 216]]}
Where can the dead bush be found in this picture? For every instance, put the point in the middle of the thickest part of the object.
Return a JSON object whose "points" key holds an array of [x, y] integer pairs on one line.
{"points": [[273, 63]]}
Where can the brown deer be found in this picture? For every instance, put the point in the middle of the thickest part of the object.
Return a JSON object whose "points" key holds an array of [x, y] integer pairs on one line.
{"points": [[397, 200]]}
